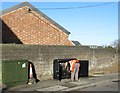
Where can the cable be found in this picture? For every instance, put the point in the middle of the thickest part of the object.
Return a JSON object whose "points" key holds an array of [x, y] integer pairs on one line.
{"points": [[76, 7]]}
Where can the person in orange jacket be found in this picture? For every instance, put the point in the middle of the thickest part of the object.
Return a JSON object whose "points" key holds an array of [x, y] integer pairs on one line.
{"points": [[74, 68]]}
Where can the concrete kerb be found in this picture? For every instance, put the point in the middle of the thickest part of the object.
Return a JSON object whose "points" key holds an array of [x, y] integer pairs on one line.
{"points": [[79, 87]]}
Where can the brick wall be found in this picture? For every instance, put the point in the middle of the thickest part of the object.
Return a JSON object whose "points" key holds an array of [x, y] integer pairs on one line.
{"points": [[22, 26], [42, 56]]}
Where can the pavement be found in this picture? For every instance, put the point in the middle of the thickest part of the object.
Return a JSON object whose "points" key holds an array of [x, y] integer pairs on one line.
{"points": [[67, 85]]}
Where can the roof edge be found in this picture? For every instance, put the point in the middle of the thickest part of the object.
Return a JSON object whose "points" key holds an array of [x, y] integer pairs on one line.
{"points": [[36, 10]]}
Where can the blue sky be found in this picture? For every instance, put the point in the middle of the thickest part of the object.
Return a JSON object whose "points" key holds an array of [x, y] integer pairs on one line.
{"points": [[90, 26]]}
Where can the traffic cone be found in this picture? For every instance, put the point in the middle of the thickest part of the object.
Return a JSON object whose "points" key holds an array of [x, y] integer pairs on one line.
{"points": [[31, 78]]}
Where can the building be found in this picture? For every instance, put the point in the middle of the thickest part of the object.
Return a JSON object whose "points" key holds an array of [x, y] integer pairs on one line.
{"points": [[76, 43], [94, 46], [25, 24]]}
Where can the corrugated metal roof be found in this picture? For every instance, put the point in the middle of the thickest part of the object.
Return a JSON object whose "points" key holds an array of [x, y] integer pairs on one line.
{"points": [[36, 10]]}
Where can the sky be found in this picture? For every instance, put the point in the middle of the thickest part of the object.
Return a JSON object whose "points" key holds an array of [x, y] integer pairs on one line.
{"points": [[89, 25]]}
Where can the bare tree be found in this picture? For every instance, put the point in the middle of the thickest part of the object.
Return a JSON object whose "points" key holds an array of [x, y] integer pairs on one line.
{"points": [[114, 44]]}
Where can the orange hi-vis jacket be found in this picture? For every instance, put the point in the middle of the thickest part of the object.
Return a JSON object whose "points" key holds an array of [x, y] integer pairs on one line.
{"points": [[72, 64]]}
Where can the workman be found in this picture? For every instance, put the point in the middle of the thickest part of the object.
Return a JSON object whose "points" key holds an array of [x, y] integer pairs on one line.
{"points": [[74, 68]]}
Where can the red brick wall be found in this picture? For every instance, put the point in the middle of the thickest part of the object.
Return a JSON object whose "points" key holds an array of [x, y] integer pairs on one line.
{"points": [[31, 28]]}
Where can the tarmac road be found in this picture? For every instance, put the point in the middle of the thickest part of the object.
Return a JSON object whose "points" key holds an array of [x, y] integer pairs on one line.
{"points": [[104, 86], [99, 82]]}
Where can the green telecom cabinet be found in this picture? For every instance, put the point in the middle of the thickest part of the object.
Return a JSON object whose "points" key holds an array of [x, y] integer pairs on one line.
{"points": [[14, 72]]}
